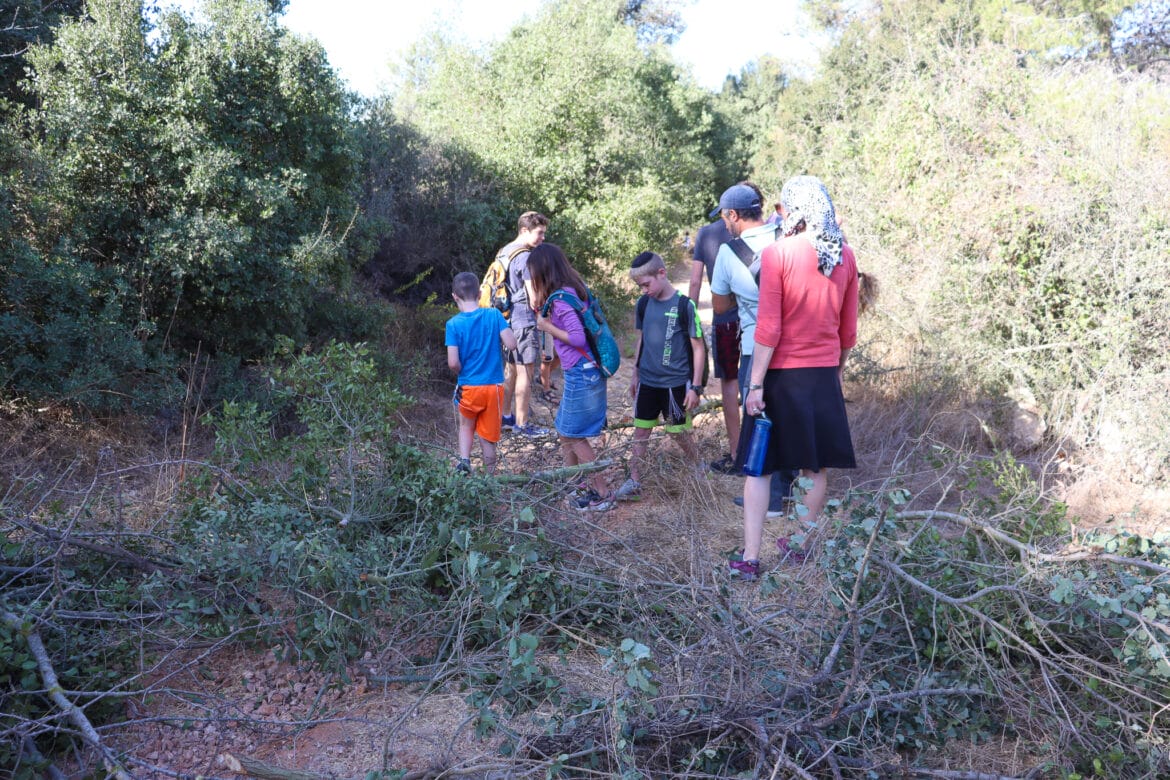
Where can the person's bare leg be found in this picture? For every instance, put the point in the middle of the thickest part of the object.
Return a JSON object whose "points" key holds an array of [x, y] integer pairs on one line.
{"points": [[583, 451], [686, 443], [568, 451], [546, 372], [730, 394], [509, 388], [638, 451], [523, 393], [755, 508], [489, 455], [466, 436], [815, 499]]}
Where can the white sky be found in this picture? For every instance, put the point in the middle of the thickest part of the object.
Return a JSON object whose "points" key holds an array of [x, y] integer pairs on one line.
{"points": [[363, 37]]}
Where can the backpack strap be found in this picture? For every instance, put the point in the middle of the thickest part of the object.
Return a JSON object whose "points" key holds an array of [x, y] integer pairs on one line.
{"points": [[742, 251], [561, 295], [747, 256], [640, 313], [685, 312], [506, 264]]}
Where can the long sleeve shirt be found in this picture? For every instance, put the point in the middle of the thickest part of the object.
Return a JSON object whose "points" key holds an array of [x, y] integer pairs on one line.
{"points": [[807, 317]]}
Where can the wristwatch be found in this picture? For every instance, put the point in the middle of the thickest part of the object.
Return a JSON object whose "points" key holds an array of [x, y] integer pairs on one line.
{"points": [[698, 390], [755, 387]]}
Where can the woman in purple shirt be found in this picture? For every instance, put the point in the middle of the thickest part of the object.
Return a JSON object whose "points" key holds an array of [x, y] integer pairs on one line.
{"points": [[583, 403]]}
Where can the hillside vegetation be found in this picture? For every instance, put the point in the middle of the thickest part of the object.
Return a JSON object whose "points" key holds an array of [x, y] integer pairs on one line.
{"points": [[222, 287]]}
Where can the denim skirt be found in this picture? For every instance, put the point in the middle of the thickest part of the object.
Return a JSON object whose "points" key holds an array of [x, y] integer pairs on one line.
{"points": [[582, 410]]}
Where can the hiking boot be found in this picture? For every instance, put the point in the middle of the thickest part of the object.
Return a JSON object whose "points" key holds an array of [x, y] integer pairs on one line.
{"points": [[463, 466], [592, 501], [725, 465], [771, 514], [631, 490], [508, 422], [744, 571], [530, 431]]}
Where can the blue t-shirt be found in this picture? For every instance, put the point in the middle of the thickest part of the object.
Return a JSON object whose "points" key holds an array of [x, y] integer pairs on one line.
{"points": [[477, 334]]}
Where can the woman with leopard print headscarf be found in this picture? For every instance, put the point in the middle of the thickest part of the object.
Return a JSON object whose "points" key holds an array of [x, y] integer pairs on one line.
{"points": [[806, 326]]}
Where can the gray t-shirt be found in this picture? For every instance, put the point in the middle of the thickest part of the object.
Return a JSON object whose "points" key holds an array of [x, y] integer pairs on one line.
{"points": [[522, 314], [664, 361]]}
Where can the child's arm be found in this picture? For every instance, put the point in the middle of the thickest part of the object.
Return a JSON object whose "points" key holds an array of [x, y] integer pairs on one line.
{"points": [[572, 334], [698, 362], [634, 381], [509, 339], [453, 362]]}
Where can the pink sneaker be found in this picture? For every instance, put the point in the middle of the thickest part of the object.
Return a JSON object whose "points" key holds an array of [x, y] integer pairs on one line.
{"points": [[746, 571], [787, 551]]}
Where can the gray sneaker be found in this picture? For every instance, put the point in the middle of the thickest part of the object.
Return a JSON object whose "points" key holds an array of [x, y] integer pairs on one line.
{"points": [[592, 501], [631, 490]]}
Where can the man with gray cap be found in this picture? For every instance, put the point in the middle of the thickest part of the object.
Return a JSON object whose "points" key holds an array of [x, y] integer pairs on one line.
{"points": [[734, 280]]}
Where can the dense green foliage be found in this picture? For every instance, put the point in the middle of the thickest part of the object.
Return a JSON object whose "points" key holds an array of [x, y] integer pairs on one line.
{"points": [[182, 190], [1014, 208], [579, 120], [22, 25]]}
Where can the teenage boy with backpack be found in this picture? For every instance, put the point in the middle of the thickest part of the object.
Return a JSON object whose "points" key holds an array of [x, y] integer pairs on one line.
{"points": [[668, 372], [520, 365]]}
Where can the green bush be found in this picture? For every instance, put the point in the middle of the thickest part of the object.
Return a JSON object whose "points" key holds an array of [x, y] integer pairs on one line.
{"points": [[222, 222]]}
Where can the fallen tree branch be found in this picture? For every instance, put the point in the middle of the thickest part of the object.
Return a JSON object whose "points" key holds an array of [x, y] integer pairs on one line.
{"points": [[556, 475], [1029, 549], [115, 553], [254, 767], [56, 694]]}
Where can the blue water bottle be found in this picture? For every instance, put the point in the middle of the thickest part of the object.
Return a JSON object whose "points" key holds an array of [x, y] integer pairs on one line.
{"points": [[753, 464]]}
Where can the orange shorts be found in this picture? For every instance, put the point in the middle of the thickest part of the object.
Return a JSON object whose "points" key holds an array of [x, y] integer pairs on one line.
{"points": [[482, 403]]}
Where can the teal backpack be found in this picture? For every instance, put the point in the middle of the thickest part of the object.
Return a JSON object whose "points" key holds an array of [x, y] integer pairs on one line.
{"points": [[597, 333]]}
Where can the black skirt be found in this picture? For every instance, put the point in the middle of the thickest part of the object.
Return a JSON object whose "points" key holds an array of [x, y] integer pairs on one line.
{"points": [[809, 426]]}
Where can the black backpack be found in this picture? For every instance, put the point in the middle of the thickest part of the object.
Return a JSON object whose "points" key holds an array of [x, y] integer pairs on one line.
{"points": [[684, 316]]}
